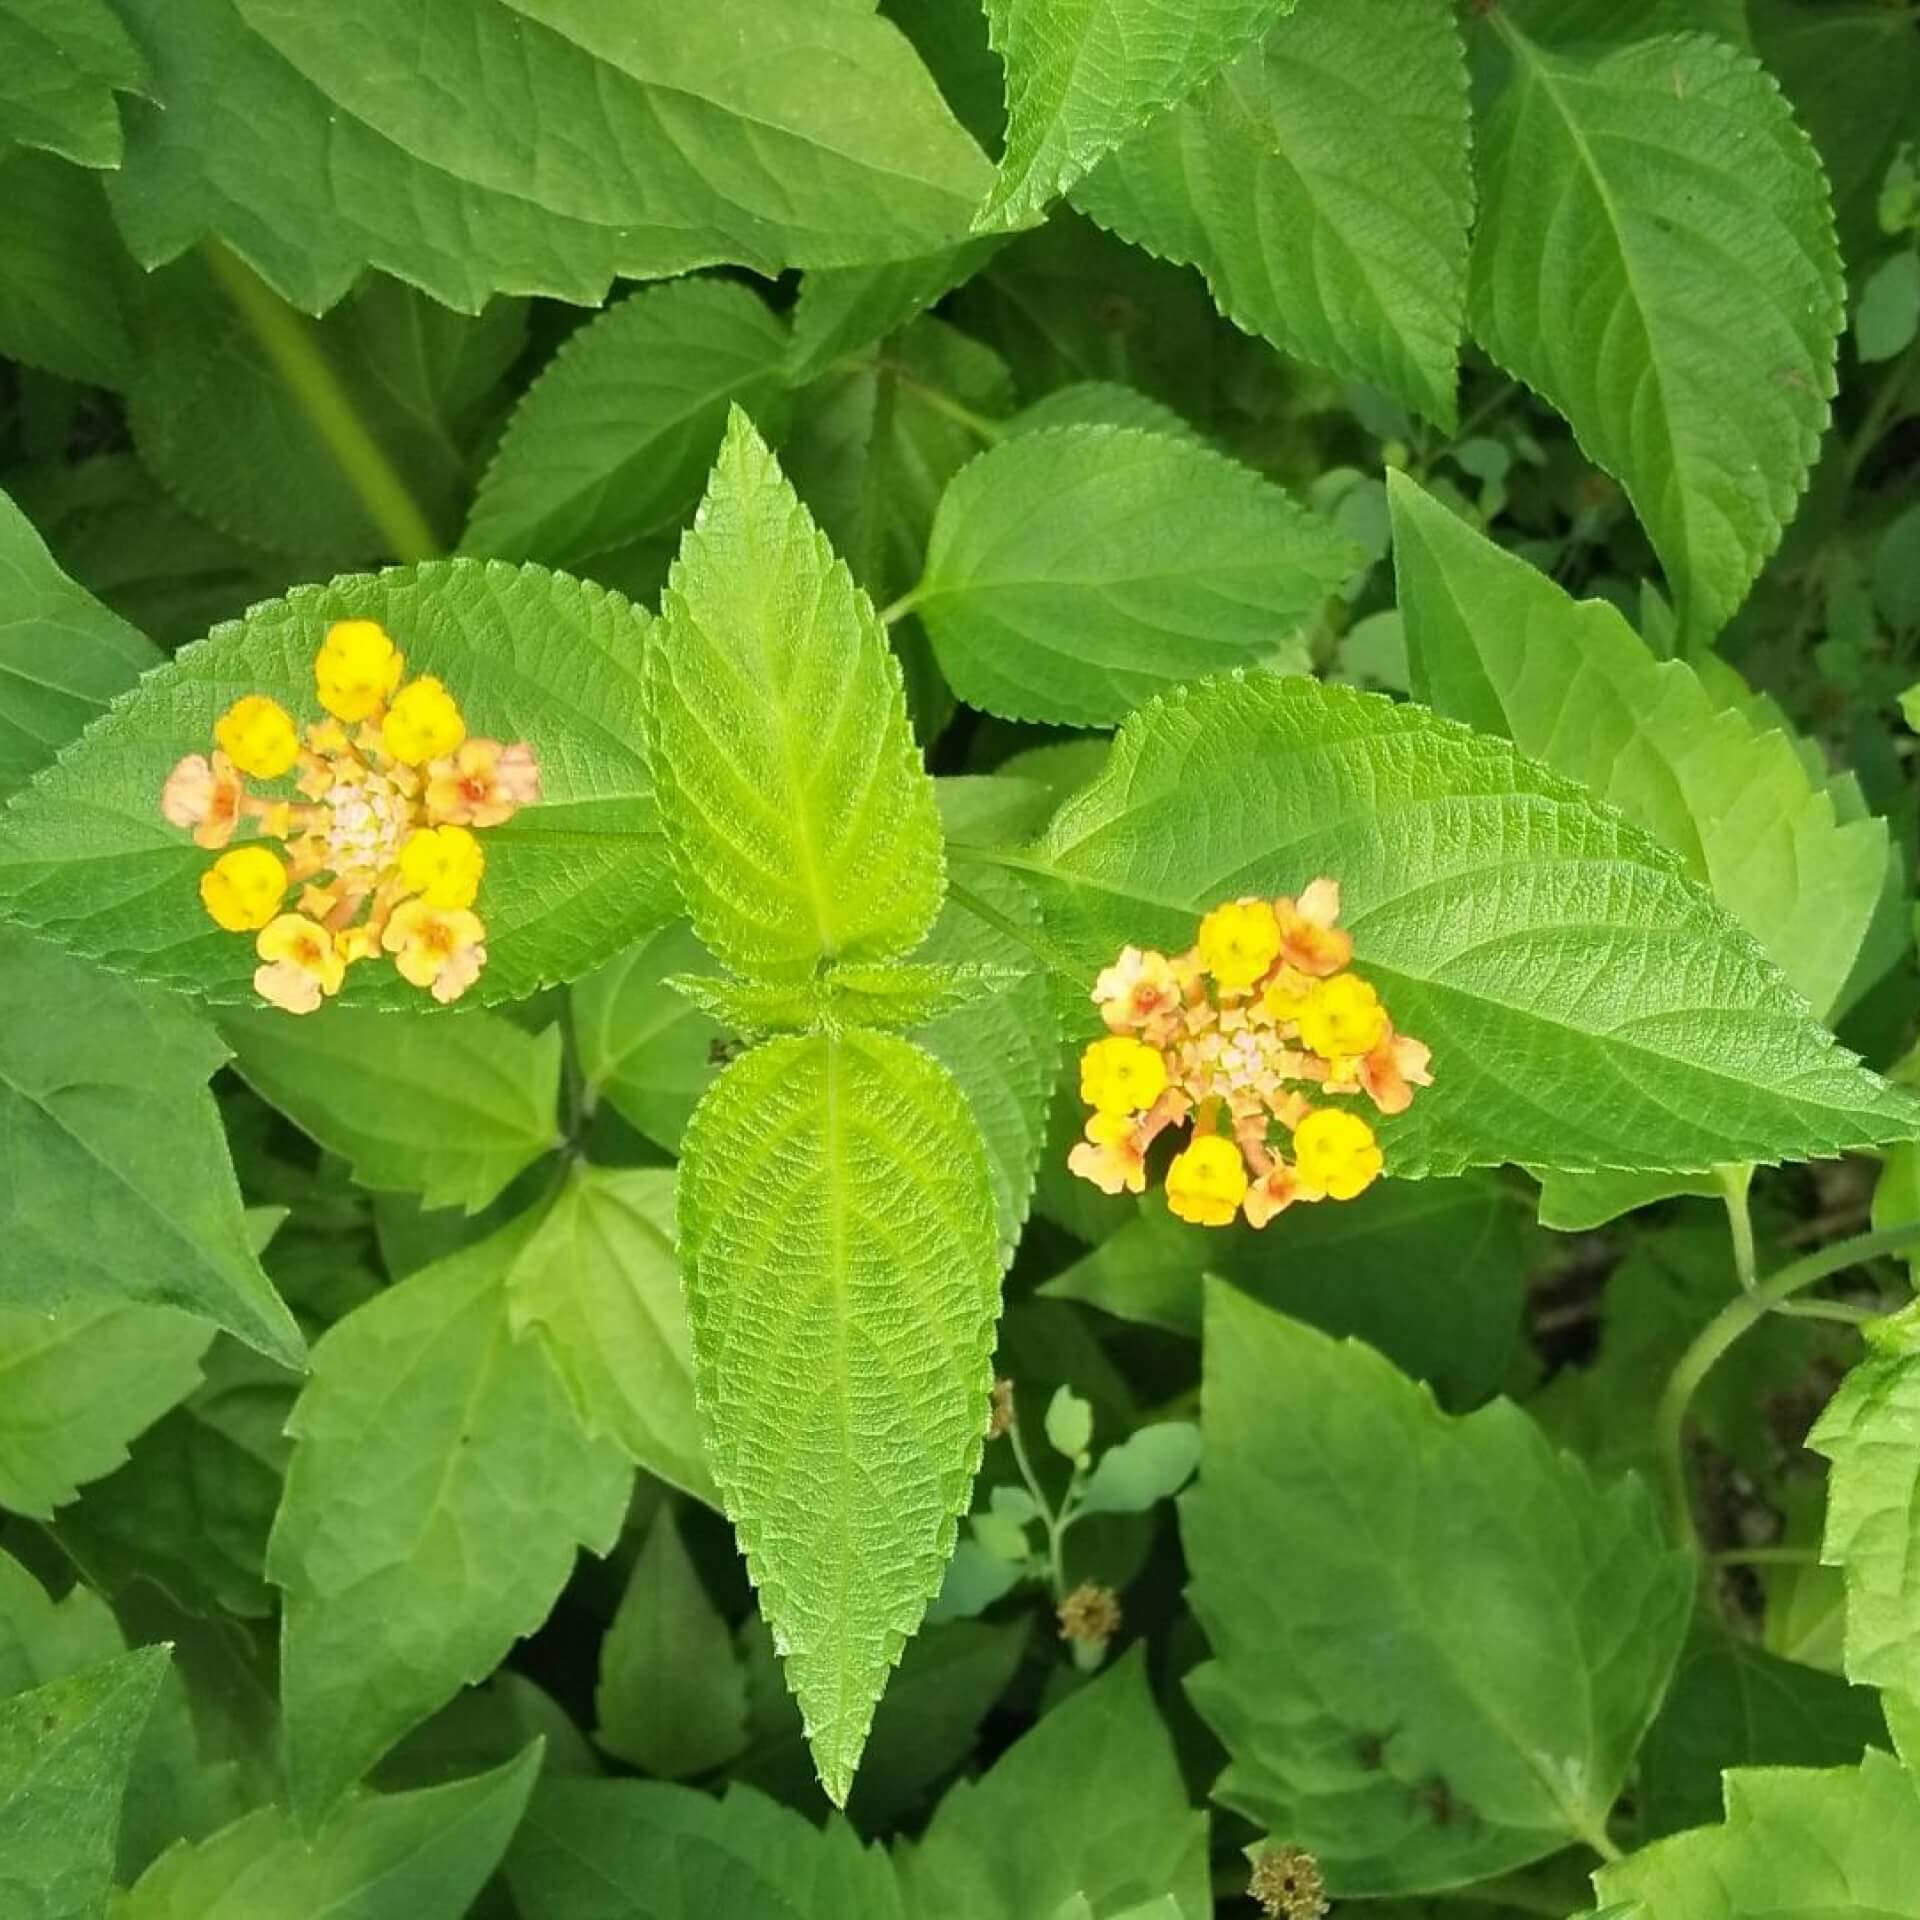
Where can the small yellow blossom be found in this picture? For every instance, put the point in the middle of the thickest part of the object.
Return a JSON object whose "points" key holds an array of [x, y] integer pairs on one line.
{"points": [[1206, 1182], [1239, 942], [443, 864], [1111, 1155], [205, 795], [435, 947], [1336, 1153], [301, 963], [1138, 987], [1121, 1075], [483, 784], [1342, 1017], [1286, 995], [357, 669], [243, 889], [258, 736], [423, 723]]}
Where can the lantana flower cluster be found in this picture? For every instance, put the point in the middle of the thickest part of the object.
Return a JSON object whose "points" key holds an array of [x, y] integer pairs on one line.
{"points": [[1264, 1038], [379, 853]]}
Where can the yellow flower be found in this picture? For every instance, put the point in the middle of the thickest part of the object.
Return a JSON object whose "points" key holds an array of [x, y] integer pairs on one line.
{"points": [[1336, 1152], [444, 864], [258, 736], [483, 784], [1342, 1017], [423, 723], [436, 947], [357, 668], [1121, 1075], [242, 890], [1207, 1182], [1239, 942], [302, 963], [1111, 1155], [1140, 986]]}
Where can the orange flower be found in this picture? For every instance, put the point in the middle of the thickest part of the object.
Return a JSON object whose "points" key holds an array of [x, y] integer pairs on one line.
{"points": [[483, 784], [437, 947], [1273, 1193], [1393, 1069], [301, 963], [1309, 939], [1139, 987], [1111, 1155], [205, 795]]}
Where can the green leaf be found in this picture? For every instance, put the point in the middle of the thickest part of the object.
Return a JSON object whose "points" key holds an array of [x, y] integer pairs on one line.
{"points": [[529, 655], [640, 146], [1431, 1273], [672, 1698], [838, 313], [1494, 642], [1655, 256], [1084, 74], [1069, 1423], [642, 1045], [1091, 1801], [61, 305], [397, 1856], [802, 823], [43, 1639], [116, 1186], [474, 1484], [1447, 1672], [450, 1110], [1796, 1845], [890, 996], [598, 1286], [78, 1384], [1076, 572], [65, 1752], [1150, 1465], [612, 442], [1870, 1431], [63, 656], [639, 1850], [1736, 1705], [1322, 184], [1888, 314], [844, 1382], [1587, 1004], [191, 1510], [61, 63]]}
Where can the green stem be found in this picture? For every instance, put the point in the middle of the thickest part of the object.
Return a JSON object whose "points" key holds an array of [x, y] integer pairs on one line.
{"points": [[1842, 1311], [288, 342], [991, 431], [1739, 1316], [1056, 1558], [1734, 1182], [1880, 412], [1766, 1557]]}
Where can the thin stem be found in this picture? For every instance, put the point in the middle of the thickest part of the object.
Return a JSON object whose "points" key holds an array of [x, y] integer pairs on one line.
{"points": [[991, 431], [287, 340], [1056, 1559], [1880, 412], [1738, 1316], [1766, 1557], [1734, 1182], [1843, 1311], [899, 609]]}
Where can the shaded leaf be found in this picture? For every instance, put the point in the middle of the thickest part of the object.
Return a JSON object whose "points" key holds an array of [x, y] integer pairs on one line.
{"points": [[60, 299], [61, 63]]}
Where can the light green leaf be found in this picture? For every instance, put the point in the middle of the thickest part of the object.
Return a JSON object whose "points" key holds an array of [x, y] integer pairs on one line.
{"points": [[1447, 1672], [1084, 74], [802, 823], [1796, 1845], [1655, 256], [672, 1698], [645, 1048], [43, 1639], [63, 656], [974, 1579], [473, 1484], [61, 63], [888, 996], [1091, 1801], [1100, 403], [1069, 1423], [1322, 184], [395, 1856], [1433, 1274], [1560, 23], [1587, 1004], [1076, 572], [116, 1186], [639, 146], [613, 441], [844, 1382], [61, 305], [1150, 1465], [599, 1286], [65, 1752], [1888, 314], [1870, 1431], [843, 312], [1494, 642], [1579, 1202], [639, 1850], [78, 1384], [529, 655], [449, 1109]]}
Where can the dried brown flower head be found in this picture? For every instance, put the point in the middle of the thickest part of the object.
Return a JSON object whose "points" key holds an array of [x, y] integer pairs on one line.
{"points": [[1288, 1885], [1001, 1417], [1089, 1615]]}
